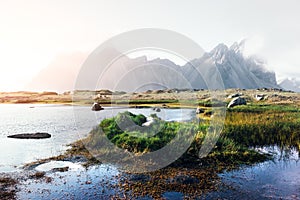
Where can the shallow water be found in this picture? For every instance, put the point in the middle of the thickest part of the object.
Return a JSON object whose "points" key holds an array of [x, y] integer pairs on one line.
{"points": [[97, 182], [66, 124], [275, 179]]}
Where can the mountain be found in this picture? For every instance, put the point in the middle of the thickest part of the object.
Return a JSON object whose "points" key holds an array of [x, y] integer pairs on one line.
{"points": [[290, 84], [60, 75], [236, 70], [140, 74]]}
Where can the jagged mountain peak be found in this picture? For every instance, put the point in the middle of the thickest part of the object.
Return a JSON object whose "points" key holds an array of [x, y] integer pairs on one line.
{"points": [[220, 48], [236, 70], [221, 52], [238, 47], [218, 53]]}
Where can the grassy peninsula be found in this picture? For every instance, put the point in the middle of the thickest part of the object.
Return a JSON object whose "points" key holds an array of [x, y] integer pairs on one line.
{"points": [[246, 128]]}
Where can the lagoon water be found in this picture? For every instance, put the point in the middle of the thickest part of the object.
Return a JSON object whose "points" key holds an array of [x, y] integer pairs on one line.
{"points": [[276, 179], [65, 123]]}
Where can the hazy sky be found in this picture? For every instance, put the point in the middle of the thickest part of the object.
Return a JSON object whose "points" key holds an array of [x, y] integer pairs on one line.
{"points": [[34, 33]]}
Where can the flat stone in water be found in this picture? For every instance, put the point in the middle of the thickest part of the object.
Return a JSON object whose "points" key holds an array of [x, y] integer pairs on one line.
{"points": [[30, 136]]}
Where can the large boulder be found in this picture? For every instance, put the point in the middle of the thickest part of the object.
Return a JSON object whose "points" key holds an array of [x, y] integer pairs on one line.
{"points": [[236, 102], [199, 110], [260, 97], [234, 95], [156, 109], [97, 107], [30, 136]]}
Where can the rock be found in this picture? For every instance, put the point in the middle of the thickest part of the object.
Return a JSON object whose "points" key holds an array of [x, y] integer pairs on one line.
{"points": [[30, 136], [234, 95], [150, 120], [156, 109], [237, 101], [260, 97], [97, 107], [60, 169], [158, 92], [199, 110], [37, 175]]}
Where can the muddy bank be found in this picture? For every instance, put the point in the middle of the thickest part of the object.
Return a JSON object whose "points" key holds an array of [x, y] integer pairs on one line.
{"points": [[8, 187]]}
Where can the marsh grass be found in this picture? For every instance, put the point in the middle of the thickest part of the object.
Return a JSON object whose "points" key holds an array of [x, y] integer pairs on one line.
{"points": [[227, 150], [264, 125]]}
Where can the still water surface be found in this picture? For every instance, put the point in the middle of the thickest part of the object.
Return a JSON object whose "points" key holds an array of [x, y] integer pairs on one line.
{"points": [[66, 124], [276, 179]]}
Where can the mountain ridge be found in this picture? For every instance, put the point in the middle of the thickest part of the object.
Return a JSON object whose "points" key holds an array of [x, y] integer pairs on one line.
{"points": [[136, 74]]}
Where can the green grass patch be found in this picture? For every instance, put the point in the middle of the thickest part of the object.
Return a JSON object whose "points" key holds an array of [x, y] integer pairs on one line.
{"points": [[276, 125], [125, 131], [262, 108]]}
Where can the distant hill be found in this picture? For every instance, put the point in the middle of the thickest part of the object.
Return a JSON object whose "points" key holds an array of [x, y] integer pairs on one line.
{"points": [[59, 75], [290, 84]]}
